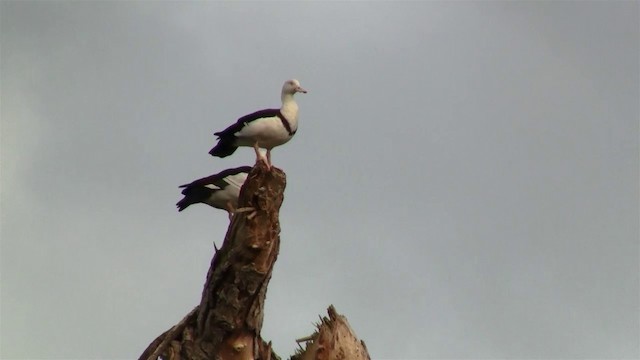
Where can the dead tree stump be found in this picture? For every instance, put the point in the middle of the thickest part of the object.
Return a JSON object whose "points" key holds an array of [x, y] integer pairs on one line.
{"points": [[227, 323]]}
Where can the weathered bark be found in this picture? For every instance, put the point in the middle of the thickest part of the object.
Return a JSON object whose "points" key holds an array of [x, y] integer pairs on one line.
{"points": [[333, 340], [227, 323]]}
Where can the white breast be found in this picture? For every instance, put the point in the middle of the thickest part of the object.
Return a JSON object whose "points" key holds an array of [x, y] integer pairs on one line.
{"points": [[269, 132]]}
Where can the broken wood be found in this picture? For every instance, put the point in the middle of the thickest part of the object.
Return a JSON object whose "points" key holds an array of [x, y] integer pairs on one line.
{"points": [[333, 340]]}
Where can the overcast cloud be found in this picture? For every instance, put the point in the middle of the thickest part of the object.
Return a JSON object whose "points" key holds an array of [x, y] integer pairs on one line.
{"points": [[463, 184]]}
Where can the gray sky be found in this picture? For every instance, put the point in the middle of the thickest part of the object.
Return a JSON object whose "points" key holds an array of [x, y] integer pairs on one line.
{"points": [[463, 184]]}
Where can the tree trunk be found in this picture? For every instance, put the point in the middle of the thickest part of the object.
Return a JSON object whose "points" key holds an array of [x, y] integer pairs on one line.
{"points": [[227, 322]]}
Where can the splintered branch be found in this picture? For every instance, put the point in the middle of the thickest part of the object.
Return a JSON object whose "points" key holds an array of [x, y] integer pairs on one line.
{"points": [[333, 339]]}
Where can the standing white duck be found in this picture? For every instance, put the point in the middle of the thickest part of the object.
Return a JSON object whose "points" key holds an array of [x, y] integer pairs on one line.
{"points": [[264, 128]]}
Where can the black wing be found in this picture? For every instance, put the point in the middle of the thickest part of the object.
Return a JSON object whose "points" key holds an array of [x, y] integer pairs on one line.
{"points": [[266, 113], [216, 179]]}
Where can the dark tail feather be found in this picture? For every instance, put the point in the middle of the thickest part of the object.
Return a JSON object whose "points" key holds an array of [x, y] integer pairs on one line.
{"points": [[223, 148], [184, 203]]}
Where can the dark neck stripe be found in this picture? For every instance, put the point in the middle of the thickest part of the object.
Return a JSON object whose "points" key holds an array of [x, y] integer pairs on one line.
{"points": [[286, 124]]}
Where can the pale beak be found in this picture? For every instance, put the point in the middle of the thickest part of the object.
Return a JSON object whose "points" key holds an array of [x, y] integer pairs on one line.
{"points": [[299, 89]]}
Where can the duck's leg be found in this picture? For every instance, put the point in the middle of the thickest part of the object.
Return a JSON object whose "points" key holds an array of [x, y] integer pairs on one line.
{"points": [[269, 157], [246, 209], [259, 156], [232, 211]]}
